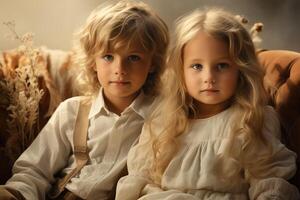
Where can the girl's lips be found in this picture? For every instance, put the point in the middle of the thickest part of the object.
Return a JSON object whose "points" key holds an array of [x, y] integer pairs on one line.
{"points": [[209, 90]]}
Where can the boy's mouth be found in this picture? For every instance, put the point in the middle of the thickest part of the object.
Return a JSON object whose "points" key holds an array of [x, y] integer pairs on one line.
{"points": [[209, 90]]}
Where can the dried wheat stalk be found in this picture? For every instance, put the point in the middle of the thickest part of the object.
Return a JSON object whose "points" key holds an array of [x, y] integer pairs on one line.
{"points": [[23, 93]]}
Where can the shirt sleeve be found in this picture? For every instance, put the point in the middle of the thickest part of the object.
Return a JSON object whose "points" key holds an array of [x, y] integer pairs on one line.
{"points": [[273, 188], [130, 187], [34, 170], [268, 177]]}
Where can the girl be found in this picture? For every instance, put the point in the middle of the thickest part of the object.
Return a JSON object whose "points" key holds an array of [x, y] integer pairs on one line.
{"points": [[211, 137], [122, 47]]}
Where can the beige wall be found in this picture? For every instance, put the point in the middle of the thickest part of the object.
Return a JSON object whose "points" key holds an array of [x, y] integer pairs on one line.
{"points": [[53, 21]]}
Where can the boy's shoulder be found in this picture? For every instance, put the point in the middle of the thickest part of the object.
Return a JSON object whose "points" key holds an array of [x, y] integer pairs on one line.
{"points": [[76, 99], [72, 104]]}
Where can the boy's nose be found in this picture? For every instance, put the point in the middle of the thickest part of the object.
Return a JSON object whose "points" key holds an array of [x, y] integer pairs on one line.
{"points": [[120, 68]]}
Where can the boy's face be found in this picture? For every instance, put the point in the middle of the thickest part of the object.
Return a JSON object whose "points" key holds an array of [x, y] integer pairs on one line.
{"points": [[122, 72]]}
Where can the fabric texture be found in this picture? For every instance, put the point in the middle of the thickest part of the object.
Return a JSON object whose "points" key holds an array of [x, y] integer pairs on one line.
{"points": [[193, 173]]}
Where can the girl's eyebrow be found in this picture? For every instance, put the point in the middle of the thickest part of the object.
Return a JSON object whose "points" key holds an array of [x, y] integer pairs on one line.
{"points": [[193, 60], [223, 58]]}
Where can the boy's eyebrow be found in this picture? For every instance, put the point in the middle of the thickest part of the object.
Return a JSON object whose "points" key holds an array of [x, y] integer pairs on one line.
{"points": [[115, 51], [224, 58], [138, 51], [131, 50]]}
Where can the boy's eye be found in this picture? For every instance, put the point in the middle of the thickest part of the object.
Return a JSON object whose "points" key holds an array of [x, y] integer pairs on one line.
{"points": [[197, 66], [222, 66], [134, 58], [108, 58]]}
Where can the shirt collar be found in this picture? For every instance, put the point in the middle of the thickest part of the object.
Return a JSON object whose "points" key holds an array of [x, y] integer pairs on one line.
{"points": [[137, 105], [141, 105], [98, 105]]}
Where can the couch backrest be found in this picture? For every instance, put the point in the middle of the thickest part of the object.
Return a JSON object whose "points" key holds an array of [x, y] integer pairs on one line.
{"points": [[282, 82]]}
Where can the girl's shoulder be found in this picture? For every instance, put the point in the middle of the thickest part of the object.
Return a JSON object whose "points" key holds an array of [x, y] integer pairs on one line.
{"points": [[270, 115], [269, 111], [268, 108], [271, 122]]}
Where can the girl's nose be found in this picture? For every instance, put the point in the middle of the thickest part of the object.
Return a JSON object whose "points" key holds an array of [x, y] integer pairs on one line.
{"points": [[209, 77]]}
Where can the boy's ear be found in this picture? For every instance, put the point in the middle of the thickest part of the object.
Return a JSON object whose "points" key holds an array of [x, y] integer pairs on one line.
{"points": [[95, 68]]}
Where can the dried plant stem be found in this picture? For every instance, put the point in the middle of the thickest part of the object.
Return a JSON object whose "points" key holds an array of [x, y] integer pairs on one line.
{"points": [[23, 91]]}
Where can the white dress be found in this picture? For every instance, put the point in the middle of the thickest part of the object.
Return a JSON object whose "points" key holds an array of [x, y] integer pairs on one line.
{"points": [[191, 174]]}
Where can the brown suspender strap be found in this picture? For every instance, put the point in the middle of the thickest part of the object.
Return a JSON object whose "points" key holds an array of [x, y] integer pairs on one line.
{"points": [[80, 147]]}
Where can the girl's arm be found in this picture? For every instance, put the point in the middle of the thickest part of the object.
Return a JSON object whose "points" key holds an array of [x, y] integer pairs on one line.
{"points": [[130, 187], [276, 188], [34, 170], [270, 181]]}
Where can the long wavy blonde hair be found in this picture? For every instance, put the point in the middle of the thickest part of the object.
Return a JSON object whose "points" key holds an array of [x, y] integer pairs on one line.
{"points": [[176, 107], [121, 24]]}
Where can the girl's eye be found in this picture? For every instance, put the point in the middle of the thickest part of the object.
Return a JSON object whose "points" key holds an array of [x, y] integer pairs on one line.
{"points": [[222, 66], [134, 58], [197, 66], [108, 58]]}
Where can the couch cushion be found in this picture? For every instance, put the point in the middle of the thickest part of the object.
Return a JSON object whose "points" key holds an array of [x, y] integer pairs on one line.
{"points": [[282, 82]]}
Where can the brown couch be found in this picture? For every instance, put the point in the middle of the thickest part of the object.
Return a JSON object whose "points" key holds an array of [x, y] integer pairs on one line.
{"points": [[282, 82]]}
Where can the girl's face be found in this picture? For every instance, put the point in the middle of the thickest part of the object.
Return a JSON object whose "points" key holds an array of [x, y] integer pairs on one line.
{"points": [[122, 72], [210, 75]]}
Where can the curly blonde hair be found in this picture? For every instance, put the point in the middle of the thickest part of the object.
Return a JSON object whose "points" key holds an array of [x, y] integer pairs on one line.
{"points": [[176, 107], [121, 25]]}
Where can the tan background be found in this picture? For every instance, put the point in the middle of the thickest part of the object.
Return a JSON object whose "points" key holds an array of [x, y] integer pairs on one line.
{"points": [[53, 21]]}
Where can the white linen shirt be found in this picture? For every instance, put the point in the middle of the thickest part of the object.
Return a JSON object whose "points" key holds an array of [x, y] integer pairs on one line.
{"points": [[109, 139]]}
